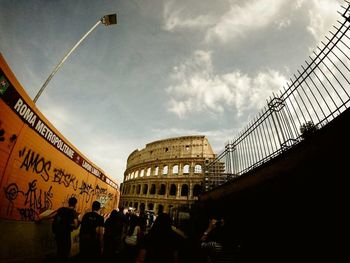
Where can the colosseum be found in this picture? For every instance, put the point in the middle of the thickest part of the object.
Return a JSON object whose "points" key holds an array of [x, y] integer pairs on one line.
{"points": [[167, 174]]}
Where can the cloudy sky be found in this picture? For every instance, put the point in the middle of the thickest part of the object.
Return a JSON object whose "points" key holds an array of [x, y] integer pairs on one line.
{"points": [[169, 68]]}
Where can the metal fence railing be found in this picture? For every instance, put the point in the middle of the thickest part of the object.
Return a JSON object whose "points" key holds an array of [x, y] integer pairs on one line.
{"points": [[317, 94]]}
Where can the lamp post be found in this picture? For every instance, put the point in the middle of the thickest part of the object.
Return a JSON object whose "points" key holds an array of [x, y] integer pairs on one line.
{"points": [[106, 20]]}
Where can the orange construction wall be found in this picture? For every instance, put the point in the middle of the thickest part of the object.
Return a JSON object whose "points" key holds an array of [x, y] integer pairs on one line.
{"points": [[39, 171], [36, 175]]}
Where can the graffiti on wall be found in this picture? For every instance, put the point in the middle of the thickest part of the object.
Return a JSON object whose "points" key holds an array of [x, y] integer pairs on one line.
{"points": [[3, 135], [36, 163], [66, 179], [33, 200], [39, 169]]}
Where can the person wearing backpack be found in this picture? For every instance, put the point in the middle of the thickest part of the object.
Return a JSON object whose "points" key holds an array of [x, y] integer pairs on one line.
{"points": [[65, 220], [91, 234]]}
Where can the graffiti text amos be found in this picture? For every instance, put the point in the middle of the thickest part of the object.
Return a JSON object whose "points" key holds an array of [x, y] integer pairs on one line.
{"points": [[35, 162], [66, 179]]}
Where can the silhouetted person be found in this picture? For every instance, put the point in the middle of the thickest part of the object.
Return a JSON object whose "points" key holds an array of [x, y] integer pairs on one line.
{"points": [[132, 238], [114, 231], [151, 219], [214, 242], [161, 244], [143, 220], [91, 234], [65, 221]]}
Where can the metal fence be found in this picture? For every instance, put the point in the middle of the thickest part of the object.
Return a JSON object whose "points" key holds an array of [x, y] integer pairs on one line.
{"points": [[317, 94]]}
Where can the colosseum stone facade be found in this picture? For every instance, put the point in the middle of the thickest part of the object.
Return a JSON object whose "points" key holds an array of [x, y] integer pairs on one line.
{"points": [[166, 174]]}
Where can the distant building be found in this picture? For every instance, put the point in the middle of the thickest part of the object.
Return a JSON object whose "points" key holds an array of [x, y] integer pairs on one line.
{"points": [[167, 174]]}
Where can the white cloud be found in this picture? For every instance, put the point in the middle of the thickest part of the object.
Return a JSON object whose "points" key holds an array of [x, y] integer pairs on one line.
{"points": [[198, 89], [283, 23], [322, 14], [298, 4], [241, 20], [238, 20], [176, 18]]}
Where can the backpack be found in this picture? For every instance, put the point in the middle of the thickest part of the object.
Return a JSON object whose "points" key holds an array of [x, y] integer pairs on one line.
{"points": [[62, 221], [89, 224]]}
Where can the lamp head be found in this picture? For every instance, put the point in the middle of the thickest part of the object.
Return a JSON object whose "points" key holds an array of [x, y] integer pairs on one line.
{"points": [[109, 19]]}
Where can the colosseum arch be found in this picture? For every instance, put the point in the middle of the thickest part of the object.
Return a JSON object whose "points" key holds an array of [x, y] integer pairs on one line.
{"points": [[175, 169], [145, 189], [153, 189], [184, 190], [138, 189], [198, 169], [186, 169], [161, 189], [172, 190], [165, 170]]}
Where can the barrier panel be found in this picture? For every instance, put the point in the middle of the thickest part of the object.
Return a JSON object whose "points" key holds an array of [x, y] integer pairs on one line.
{"points": [[39, 168]]}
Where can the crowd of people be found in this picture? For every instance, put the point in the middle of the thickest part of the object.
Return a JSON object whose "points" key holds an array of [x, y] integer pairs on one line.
{"points": [[135, 237]]}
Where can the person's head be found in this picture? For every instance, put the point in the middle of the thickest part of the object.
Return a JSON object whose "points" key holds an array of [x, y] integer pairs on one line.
{"points": [[72, 202], [114, 214], [219, 222], [162, 224], [96, 205]]}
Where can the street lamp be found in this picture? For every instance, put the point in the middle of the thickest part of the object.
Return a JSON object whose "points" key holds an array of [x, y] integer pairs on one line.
{"points": [[106, 20]]}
